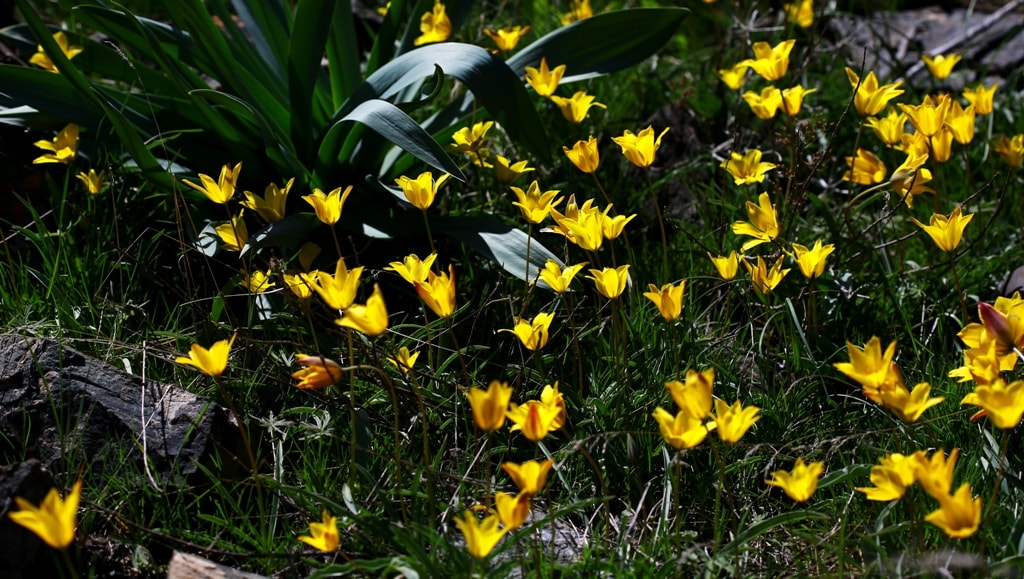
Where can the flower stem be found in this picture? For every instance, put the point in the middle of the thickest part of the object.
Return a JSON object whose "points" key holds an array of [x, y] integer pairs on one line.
{"points": [[959, 290], [430, 236], [1000, 471], [661, 226]]}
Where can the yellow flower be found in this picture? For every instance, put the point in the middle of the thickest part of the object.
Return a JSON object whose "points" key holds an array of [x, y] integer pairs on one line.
{"points": [[481, 536], [41, 59], [586, 229], [533, 335], [915, 144], [301, 284], [694, 395], [763, 224], [910, 178], [726, 265], [641, 147], [611, 227], [319, 372], [928, 117], [889, 129], [257, 282], [421, 191], [942, 144], [734, 421], [981, 98], [223, 189], [325, 534], [946, 232], [543, 80], [92, 180], [747, 168], [233, 235], [507, 37], [909, 406], [959, 515], [471, 139], [941, 65], [383, 10], [489, 405], [682, 430], [412, 269], [793, 99], [53, 521], [936, 474], [960, 122], [575, 109], [584, 155], [610, 282], [891, 478], [558, 279], [871, 99], [552, 398], [438, 292], [370, 319], [1011, 151], [580, 10], [668, 299], [403, 360], [771, 62], [63, 147], [339, 290], [534, 204], [530, 477], [764, 104], [211, 362], [765, 280], [812, 261], [799, 484], [1003, 403], [435, 26], [271, 205], [870, 368], [801, 13], [508, 173], [512, 510], [736, 76], [535, 419], [328, 207], [865, 169]]}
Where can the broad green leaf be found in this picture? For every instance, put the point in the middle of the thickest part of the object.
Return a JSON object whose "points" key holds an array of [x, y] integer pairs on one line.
{"points": [[344, 56], [267, 24], [499, 241], [46, 92], [288, 233], [313, 20]]}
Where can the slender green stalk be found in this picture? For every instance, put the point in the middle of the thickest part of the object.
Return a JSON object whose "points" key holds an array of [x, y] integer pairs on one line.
{"points": [[69, 563], [430, 235], [661, 225], [959, 289], [1000, 472]]}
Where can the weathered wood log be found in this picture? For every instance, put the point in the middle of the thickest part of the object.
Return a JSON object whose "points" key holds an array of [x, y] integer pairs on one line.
{"points": [[185, 566]]}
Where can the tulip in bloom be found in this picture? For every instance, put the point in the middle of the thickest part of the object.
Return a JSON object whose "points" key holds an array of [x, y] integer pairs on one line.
{"points": [[324, 535], [611, 227], [575, 109], [506, 38], [736, 76], [812, 261], [370, 319], [1003, 403], [734, 421], [221, 190], [211, 362], [764, 279], [726, 265], [534, 419], [512, 509], [257, 282], [891, 478], [793, 99], [233, 235], [434, 25], [763, 224], [533, 335], [92, 180], [271, 206], [471, 139], [339, 290], [586, 229], [668, 299], [534, 204], [489, 405], [936, 473], [420, 192], [318, 372], [580, 10], [960, 122], [946, 232], [543, 80], [872, 369], [958, 515], [552, 398], [531, 476], [870, 98], [764, 104], [941, 65], [910, 178], [801, 482], [889, 129], [929, 116], [328, 207], [981, 98], [610, 282], [62, 149], [438, 292], [747, 168], [53, 521], [909, 406], [682, 430], [558, 279], [584, 155], [771, 62], [641, 147], [301, 284], [481, 536], [412, 269], [942, 144], [800, 13], [41, 59], [508, 172], [694, 395], [865, 169], [403, 360], [1011, 151]]}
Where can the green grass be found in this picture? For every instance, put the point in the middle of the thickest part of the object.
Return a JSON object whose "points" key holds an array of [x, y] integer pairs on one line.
{"points": [[637, 507]]}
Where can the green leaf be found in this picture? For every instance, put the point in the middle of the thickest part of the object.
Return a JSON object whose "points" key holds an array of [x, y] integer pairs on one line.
{"points": [[288, 233], [762, 527], [498, 241], [267, 24], [312, 24], [343, 54]]}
